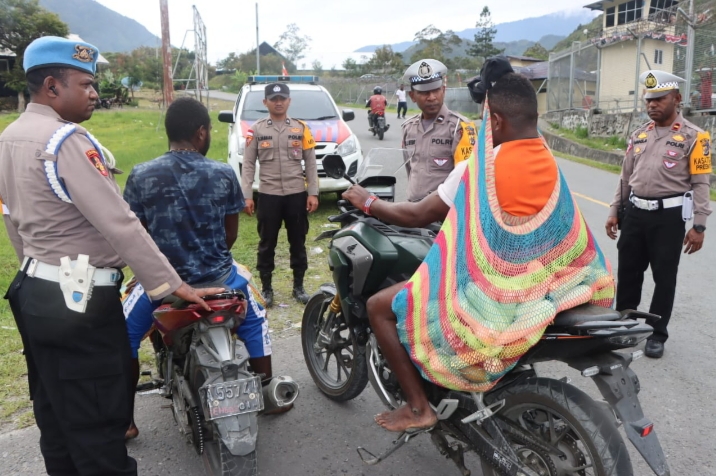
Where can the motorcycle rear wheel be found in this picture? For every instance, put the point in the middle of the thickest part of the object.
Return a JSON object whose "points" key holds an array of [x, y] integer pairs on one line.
{"points": [[342, 348], [381, 132], [218, 460], [563, 416]]}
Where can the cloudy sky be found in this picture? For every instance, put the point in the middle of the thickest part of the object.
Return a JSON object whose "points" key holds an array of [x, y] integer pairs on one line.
{"points": [[335, 26]]}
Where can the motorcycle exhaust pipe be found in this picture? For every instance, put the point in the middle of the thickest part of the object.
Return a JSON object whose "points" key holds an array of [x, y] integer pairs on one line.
{"points": [[279, 393]]}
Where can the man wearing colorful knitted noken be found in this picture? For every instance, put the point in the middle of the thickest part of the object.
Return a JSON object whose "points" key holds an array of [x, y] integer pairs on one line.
{"points": [[513, 251]]}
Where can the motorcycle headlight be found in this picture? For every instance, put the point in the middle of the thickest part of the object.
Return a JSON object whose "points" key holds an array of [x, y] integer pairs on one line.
{"points": [[348, 147]]}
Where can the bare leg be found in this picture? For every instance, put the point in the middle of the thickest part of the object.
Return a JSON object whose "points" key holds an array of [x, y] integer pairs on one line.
{"points": [[417, 413], [262, 365], [133, 431]]}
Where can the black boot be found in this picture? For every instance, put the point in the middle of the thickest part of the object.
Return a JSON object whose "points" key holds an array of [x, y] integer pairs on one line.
{"points": [[298, 292], [266, 289]]}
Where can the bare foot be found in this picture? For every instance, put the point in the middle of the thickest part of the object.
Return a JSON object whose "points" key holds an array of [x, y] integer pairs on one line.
{"points": [[132, 432], [405, 418]]}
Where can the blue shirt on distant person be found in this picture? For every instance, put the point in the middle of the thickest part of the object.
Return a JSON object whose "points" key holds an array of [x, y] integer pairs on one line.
{"points": [[189, 195]]}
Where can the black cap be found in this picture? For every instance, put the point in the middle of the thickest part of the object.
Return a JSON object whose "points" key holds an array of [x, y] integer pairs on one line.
{"points": [[493, 69], [277, 89]]}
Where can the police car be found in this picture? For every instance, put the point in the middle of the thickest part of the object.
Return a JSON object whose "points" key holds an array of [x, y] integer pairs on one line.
{"points": [[310, 103]]}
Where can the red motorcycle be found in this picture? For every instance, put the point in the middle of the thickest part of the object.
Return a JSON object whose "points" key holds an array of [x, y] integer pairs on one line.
{"points": [[204, 370]]}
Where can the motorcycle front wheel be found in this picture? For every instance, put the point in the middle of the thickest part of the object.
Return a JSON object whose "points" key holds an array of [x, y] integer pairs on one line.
{"points": [[334, 358], [567, 419]]}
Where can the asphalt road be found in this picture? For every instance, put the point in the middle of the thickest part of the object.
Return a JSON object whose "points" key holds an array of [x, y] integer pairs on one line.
{"points": [[319, 437]]}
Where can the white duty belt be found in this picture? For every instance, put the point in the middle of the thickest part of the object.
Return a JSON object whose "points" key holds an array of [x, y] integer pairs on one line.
{"points": [[652, 205], [49, 272]]}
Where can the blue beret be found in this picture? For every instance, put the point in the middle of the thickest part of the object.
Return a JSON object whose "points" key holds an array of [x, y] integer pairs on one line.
{"points": [[56, 52]]}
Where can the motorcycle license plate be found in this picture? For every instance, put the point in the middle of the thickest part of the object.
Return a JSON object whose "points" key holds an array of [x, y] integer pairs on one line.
{"points": [[232, 398]]}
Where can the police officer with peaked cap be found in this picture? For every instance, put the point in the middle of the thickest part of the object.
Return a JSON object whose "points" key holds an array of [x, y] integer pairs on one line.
{"points": [[438, 138], [664, 183], [73, 233], [280, 143]]}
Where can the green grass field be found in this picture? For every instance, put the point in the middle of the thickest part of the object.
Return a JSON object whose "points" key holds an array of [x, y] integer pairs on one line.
{"points": [[135, 136]]}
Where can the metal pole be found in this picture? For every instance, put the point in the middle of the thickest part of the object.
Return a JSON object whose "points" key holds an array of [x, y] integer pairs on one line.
{"points": [[258, 63], [167, 54], [638, 72], [690, 48], [571, 76], [599, 76]]}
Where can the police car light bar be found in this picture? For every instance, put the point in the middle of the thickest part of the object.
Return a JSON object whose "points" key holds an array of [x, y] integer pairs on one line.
{"points": [[282, 79]]}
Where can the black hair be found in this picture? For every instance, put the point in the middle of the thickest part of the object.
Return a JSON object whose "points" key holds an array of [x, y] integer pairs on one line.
{"points": [[184, 117], [514, 98], [36, 77]]}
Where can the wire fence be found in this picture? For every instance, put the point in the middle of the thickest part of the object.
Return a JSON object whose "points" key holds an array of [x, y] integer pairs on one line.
{"points": [[604, 71]]}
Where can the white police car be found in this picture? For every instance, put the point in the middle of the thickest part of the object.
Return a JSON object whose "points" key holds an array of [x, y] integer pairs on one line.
{"points": [[312, 104]]}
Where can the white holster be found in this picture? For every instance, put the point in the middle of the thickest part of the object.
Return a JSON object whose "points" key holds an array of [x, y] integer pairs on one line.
{"points": [[76, 282], [687, 209]]}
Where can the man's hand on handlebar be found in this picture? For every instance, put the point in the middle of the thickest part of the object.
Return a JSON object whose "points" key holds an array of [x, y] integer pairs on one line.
{"points": [[191, 294], [357, 195]]}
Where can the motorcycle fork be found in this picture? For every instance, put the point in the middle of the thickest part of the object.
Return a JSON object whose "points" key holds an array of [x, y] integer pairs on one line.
{"points": [[325, 337]]}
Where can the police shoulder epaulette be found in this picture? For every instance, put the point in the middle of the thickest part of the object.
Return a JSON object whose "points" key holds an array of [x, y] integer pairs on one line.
{"points": [[693, 126], [414, 118]]}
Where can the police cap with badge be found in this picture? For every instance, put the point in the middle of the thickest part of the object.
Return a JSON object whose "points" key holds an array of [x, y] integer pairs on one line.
{"points": [[277, 89], [659, 83], [425, 75], [56, 52]]}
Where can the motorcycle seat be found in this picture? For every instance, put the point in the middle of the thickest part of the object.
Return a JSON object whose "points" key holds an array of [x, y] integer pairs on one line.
{"points": [[585, 313]]}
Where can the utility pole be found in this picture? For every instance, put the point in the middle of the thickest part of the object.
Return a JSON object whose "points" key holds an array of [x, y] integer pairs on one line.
{"points": [[166, 54], [690, 47], [258, 63]]}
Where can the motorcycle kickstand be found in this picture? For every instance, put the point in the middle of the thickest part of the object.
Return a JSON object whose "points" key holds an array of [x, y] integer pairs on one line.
{"points": [[398, 443]]}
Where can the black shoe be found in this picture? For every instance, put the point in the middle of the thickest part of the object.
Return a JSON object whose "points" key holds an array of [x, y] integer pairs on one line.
{"points": [[654, 349], [268, 297], [300, 294]]}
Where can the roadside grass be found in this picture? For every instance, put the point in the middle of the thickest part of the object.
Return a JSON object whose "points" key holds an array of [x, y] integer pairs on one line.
{"points": [[136, 135], [610, 144]]}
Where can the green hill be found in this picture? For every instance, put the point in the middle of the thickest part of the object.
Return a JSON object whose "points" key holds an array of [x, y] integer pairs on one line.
{"points": [[106, 29]]}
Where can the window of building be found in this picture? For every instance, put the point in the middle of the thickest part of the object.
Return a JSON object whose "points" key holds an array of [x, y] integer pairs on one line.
{"points": [[657, 5], [658, 56], [629, 11], [610, 16], [4, 65]]}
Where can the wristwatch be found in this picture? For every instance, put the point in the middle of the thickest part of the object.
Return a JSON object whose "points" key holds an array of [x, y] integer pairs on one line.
{"points": [[699, 228]]}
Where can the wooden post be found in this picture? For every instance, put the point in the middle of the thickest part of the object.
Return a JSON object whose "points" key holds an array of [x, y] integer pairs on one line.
{"points": [[166, 54]]}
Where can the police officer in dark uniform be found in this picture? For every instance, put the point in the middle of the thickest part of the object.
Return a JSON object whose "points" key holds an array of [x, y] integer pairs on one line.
{"points": [[280, 143], [664, 183], [73, 233]]}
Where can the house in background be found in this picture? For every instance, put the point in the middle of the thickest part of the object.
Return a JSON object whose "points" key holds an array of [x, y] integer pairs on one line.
{"points": [[636, 35], [557, 86]]}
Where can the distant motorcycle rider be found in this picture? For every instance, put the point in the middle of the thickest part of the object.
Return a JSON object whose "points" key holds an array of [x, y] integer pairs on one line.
{"points": [[377, 104]]}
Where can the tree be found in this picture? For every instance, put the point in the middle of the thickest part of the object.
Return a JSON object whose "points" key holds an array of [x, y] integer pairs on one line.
{"points": [[537, 51], [229, 63], [433, 43], [353, 69], [317, 67], [485, 36], [21, 22], [385, 61], [292, 43]]}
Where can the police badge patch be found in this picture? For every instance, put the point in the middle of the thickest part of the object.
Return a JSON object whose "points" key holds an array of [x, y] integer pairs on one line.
{"points": [[96, 160], [84, 54]]}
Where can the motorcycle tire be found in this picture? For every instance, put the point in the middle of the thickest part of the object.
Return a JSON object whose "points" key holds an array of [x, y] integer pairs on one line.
{"points": [[219, 461], [584, 422], [380, 134], [336, 389]]}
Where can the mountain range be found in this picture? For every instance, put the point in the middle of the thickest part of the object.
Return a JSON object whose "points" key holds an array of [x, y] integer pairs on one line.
{"points": [[103, 27], [516, 36]]}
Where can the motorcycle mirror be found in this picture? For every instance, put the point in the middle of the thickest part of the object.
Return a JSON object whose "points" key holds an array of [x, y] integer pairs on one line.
{"points": [[335, 168]]}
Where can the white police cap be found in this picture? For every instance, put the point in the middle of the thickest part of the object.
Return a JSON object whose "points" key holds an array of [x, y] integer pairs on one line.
{"points": [[659, 83], [425, 75]]}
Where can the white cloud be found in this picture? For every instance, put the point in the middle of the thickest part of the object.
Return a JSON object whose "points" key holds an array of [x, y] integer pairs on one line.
{"points": [[333, 26]]}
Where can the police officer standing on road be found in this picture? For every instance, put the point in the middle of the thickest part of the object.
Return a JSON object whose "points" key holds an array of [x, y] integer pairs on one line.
{"points": [[280, 143], [664, 183], [73, 233], [437, 139]]}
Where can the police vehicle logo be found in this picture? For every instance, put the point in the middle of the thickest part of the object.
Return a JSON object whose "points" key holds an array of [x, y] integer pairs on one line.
{"points": [[83, 53], [425, 71], [277, 89], [650, 81]]}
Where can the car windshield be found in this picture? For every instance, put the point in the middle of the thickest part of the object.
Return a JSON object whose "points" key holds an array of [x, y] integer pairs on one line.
{"points": [[305, 105]]}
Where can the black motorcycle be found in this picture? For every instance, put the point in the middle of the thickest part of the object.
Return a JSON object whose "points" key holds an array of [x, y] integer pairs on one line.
{"points": [[525, 425]]}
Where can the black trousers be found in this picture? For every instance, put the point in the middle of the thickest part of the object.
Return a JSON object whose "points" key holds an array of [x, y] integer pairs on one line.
{"points": [[656, 239], [402, 106], [271, 212], [78, 371]]}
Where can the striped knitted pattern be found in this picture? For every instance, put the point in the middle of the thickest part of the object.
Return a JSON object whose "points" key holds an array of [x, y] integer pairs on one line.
{"points": [[492, 283]]}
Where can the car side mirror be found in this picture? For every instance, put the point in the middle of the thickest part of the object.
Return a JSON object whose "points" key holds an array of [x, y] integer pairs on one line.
{"points": [[348, 115], [226, 116]]}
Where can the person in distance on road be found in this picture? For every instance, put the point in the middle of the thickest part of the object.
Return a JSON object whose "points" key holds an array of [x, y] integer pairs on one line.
{"points": [[377, 104], [485, 293]]}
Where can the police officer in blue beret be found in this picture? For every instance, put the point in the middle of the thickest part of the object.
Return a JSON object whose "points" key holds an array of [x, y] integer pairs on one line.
{"points": [[73, 233]]}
